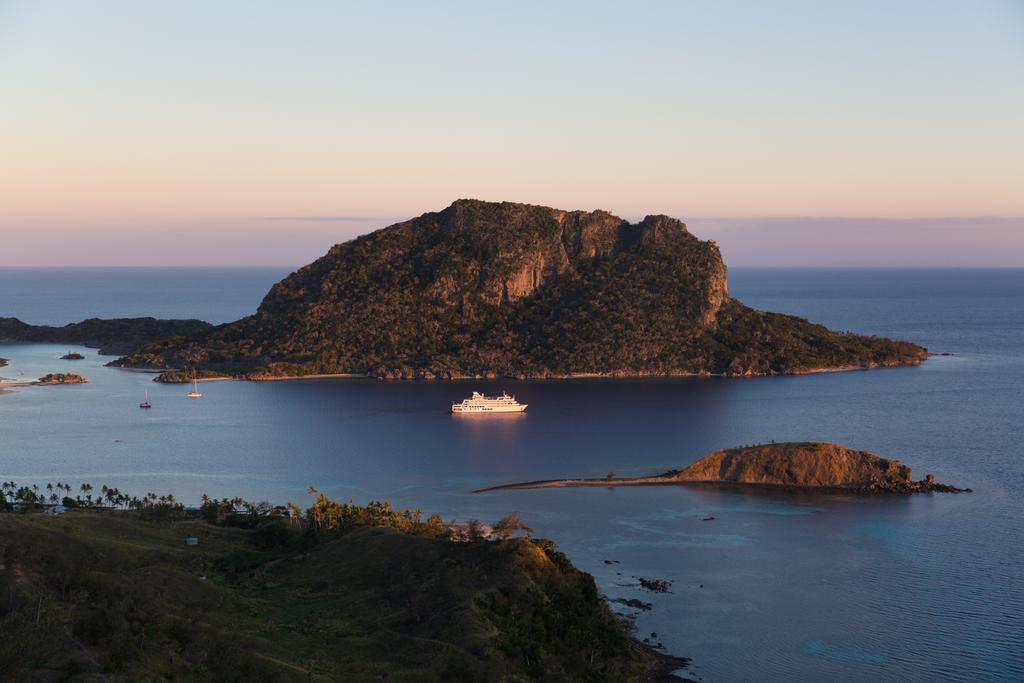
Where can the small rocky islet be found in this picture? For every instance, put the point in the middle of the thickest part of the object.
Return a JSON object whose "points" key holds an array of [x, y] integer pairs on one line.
{"points": [[786, 465], [62, 378]]}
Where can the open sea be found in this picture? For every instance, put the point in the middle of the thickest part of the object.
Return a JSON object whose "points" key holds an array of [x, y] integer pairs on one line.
{"points": [[821, 587]]}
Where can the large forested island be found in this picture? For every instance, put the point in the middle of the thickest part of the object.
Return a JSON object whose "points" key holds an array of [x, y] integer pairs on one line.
{"points": [[486, 289]]}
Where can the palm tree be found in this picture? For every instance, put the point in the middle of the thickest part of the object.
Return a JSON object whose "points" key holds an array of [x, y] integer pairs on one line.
{"points": [[294, 513]]}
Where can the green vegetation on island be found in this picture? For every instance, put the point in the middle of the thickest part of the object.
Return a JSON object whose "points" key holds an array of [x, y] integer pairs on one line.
{"points": [[143, 589], [112, 337], [500, 289]]}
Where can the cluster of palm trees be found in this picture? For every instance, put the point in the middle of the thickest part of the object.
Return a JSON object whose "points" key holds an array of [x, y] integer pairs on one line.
{"points": [[324, 514], [328, 515], [60, 493], [213, 509]]}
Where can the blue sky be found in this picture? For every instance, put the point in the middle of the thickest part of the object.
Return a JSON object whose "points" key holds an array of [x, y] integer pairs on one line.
{"points": [[794, 133]]}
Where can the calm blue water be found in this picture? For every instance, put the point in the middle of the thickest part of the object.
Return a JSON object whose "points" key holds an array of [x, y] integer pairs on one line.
{"points": [[56, 296], [777, 587]]}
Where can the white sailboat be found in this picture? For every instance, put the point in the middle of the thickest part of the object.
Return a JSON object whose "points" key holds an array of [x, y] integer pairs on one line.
{"points": [[146, 403], [195, 387]]}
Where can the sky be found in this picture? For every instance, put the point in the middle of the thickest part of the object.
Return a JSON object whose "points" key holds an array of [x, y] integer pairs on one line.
{"points": [[260, 133]]}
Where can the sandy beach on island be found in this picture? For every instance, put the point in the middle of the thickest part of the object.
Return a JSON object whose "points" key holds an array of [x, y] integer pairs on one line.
{"points": [[231, 378], [284, 378]]}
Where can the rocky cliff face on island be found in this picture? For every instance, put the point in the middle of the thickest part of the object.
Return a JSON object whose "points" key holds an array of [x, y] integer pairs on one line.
{"points": [[502, 289], [112, 337]]}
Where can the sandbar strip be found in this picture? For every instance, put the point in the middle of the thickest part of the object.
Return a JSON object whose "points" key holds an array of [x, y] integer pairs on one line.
{"points": [[287, 378], [588, 483]]}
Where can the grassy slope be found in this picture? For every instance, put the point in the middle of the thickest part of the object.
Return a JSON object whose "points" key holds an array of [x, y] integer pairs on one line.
{"points": [[125, 596]]}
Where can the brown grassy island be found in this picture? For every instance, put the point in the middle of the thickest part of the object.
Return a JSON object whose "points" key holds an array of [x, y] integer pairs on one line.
{"points": [[794, 465], [485, 289]]}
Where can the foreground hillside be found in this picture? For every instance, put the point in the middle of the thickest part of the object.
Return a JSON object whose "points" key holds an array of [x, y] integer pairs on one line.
{"points": [[483, 289], [110, 595]]}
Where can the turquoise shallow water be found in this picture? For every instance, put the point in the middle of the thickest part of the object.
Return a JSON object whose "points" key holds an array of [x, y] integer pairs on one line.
{"points": [[777, 587]]}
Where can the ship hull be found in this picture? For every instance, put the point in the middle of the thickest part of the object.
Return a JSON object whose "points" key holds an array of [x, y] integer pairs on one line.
{"points": [[488, 409]]}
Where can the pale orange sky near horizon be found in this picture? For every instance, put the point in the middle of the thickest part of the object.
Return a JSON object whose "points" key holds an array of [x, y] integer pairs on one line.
{"points": [[163, 134]]}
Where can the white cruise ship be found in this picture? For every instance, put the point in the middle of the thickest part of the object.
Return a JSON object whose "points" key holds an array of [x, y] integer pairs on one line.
{"points": [[478, 403]]}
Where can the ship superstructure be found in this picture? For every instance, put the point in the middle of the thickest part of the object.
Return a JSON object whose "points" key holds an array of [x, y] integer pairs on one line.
{"points": [[478, 403]]}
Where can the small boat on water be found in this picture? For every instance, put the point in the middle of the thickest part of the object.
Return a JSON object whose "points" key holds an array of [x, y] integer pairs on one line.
{"points": [[478, 403], [195, 388], [146, 403]]}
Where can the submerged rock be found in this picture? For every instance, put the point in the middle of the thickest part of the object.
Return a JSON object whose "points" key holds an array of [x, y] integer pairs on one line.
{"points": [[655, 585], [634, 603]]}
